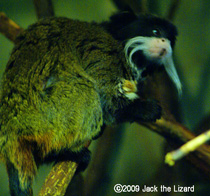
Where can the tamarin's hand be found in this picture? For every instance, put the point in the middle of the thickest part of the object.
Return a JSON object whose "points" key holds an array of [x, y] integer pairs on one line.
{"points": [[66, 78]]}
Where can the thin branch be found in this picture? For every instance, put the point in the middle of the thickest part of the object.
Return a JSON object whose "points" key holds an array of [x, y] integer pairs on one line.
{"points": [[44, 8], [9, 28], [176, 135], [171, 130], [58, 179], [173, 9], [186, 148]]}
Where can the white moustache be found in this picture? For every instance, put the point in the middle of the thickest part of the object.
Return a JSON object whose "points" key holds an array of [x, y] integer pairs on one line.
{"points": [[154, 49]]}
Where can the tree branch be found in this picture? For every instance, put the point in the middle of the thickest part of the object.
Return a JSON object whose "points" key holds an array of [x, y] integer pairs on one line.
{"points": [[173, 9], [137, 6], [58, 179], [176, 135], [186, 148], [44, 8], [8, 27]]}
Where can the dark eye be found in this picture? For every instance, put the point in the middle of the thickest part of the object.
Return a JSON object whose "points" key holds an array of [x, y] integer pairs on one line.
{"points": [[156, 32]]}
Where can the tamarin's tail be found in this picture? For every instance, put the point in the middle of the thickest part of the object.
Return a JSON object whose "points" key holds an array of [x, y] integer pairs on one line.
{"points": [[14, 182], [20, 164], [3, 140]]}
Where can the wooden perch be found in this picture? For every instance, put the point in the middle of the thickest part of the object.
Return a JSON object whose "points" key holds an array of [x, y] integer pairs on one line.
{"points": [[9, 28], [58, 179]]}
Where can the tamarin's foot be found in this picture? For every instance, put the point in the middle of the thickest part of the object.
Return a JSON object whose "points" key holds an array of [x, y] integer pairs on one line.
{"points": [[84, 157]]}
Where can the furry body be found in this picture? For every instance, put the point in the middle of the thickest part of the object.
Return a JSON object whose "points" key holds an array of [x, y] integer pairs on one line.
{"points": [[63, 81]]}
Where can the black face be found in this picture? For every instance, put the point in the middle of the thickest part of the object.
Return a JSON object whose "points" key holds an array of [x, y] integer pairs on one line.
{"points": [[149, 42], [150, 26], [126, 25]]}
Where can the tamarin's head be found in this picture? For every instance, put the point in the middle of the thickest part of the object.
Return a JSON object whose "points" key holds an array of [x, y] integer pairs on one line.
{"points": [[149, 42]]}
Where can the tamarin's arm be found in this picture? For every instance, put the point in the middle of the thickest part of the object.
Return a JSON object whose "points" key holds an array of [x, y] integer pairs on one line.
{"points": [[140, 110]]}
